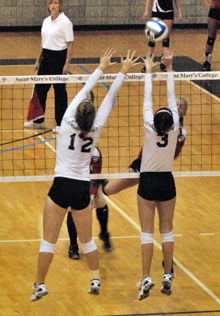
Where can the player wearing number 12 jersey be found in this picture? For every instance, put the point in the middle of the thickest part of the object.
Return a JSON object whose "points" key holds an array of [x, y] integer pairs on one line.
{"points": [[80, 130]]}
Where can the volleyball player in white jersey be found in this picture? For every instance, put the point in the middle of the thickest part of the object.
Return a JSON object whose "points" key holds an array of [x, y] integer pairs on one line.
{"points": [[157, 188], [80, 130], [113, 186]]}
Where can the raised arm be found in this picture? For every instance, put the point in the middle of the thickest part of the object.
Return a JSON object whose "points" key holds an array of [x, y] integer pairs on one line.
{"points": [[106, 106], [148, 104], [171, 98]]}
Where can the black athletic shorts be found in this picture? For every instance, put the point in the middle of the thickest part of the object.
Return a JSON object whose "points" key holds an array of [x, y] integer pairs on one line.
{"points": [[214, 14], [163, 16], [136, 165], [67, 192], [157, 186]]}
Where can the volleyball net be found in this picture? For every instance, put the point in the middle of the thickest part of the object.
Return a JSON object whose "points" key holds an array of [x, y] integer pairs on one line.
{"points": [[29, 154]]}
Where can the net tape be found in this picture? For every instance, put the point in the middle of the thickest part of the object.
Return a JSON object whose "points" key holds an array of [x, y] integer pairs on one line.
{"points": [[6, 80]]}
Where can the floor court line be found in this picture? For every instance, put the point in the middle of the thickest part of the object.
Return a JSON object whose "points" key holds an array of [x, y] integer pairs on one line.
{"points": [[179, 264], [60, 239], [171, 313], [112, 237]]}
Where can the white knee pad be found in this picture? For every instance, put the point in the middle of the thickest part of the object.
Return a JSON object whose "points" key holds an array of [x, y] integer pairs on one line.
{"points": [[89, 246], [46, 246], [147, 238], [167, 237]]}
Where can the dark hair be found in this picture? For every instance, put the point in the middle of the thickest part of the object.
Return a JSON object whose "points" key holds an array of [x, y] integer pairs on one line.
{"points": [[163, 121], [85, 115], [180, 100]]}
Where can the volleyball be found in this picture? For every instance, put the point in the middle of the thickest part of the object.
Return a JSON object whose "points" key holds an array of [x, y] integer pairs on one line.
{"points": [[156, 29]]}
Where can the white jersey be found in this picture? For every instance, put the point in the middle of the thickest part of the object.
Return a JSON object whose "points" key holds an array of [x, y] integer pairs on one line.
{"points": [[158, 151], [73, 153], [56, 33]]}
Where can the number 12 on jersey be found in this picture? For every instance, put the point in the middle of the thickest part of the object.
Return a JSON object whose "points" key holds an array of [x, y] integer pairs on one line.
{"points": [[86, 147]]}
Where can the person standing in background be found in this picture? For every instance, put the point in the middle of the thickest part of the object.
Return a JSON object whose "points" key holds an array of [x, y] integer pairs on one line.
{"points": [[213, 24], [53, 59], [164, 10]]}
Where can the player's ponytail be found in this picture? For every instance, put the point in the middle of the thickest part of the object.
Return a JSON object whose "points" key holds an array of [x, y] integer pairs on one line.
{"points": [[85, 115], [163, 121]]}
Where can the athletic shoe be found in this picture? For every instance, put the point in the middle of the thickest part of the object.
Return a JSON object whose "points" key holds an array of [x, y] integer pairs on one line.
{"points": [[106, 239], [163, 67], [73, 253], [143, 70], [94, 287], [206, 66], [173, 274], [39, 291], [31, 124], [56, 130], [167, 284], [144, 288]]}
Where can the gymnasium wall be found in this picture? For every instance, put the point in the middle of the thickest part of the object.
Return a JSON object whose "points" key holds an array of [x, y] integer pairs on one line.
{"points": [[93, 12]]}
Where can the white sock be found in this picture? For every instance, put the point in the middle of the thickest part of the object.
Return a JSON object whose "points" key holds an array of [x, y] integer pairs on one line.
{"points": [[94, 274]]}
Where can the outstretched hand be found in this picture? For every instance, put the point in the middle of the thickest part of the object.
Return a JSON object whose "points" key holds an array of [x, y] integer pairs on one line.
{"points": [[149, 63], [105, 60], [129, 62]]}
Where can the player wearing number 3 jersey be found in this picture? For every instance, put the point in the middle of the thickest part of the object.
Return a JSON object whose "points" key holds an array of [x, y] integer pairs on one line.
{"points": [[156, 187], [80, 130], [159, 146]]}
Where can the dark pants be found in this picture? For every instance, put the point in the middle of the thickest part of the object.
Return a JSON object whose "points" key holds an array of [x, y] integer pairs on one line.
{"points": [[52, 63]]}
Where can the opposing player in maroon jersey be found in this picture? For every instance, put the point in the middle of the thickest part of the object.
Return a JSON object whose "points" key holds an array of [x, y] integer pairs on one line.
{"points": [[98, 201]]}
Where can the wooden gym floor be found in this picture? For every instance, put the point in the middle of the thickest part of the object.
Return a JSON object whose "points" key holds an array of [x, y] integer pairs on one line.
{"points": [[196, 225]]}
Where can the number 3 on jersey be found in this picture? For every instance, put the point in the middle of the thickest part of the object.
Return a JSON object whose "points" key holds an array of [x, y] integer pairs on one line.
{"points": [[164, 141], [86, 148]]}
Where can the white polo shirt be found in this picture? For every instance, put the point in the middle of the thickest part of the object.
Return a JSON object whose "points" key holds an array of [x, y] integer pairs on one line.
{"points": [[55, 34]]}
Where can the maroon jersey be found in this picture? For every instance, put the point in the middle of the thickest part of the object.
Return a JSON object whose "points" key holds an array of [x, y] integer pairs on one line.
{"points": [[95, 167], [215, 4], [180, 141]]}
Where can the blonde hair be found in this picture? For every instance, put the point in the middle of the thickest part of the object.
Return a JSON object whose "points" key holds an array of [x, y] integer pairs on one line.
{"points": [[60, 4]]}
